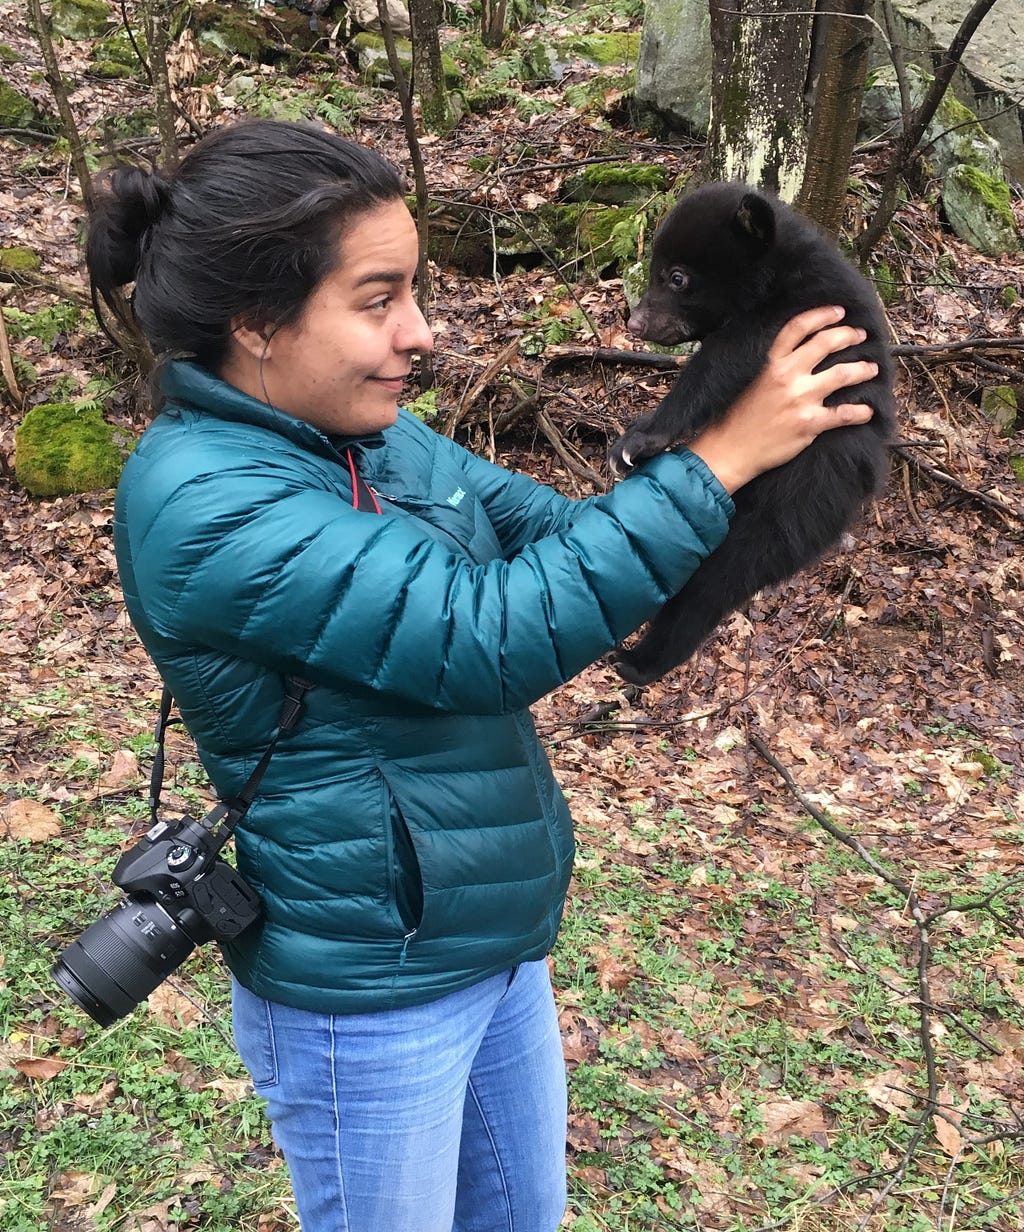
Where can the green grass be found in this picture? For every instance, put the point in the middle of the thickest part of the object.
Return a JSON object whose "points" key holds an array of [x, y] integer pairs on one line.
{"points": [[700, 994]]}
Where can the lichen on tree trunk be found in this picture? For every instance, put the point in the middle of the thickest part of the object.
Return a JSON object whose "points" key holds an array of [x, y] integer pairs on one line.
{"points": [[427, 69], [757, 127]]}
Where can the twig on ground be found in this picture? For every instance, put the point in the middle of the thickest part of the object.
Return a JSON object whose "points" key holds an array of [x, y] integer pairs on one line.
{"points": [[941, 477]]}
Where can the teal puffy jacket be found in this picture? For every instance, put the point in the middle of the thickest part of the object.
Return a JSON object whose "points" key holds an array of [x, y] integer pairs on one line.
{"points": [[408, 838]]}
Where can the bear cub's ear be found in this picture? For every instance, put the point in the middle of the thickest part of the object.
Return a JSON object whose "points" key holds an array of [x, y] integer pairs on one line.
{"points": [[755, 220]]}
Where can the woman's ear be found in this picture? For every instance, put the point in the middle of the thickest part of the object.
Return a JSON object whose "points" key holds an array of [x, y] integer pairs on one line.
{"points": [[252, 336]]}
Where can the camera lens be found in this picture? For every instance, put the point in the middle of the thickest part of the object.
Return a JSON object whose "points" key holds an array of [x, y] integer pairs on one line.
{"points": [[119, 960]]}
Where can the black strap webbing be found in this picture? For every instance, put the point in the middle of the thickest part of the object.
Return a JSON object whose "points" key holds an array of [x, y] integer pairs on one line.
{"points": [[295, 688]]}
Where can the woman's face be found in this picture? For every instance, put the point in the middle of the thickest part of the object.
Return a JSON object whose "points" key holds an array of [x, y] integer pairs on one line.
{"points": [[342, 365]]}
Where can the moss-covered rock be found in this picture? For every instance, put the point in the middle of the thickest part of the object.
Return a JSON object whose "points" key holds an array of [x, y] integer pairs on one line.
{"points": [[977, 207], [110, 70], [60, 448], [616, 183], [19, 111], [620, 47], [116, 57], [8, 55], [1017, 466], [372, 58], [79, 19], [547, 59], [19, 259], [953, 136], [227, 30], [999, 406], [239, 31]]}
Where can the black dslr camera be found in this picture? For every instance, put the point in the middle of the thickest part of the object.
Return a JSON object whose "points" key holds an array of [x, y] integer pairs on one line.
{"points": [[178, 893]]}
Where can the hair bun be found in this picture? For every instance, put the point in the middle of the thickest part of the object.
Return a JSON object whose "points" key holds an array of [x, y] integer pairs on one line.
{"points": [[129, 201]]}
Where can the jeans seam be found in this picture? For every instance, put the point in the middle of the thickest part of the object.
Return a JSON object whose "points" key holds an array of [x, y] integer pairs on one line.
{"points": [[337, 1127], [494, 1148]]}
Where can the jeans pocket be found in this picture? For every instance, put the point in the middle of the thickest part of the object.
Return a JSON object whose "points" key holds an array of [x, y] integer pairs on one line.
{"points": [[253, 1025]]}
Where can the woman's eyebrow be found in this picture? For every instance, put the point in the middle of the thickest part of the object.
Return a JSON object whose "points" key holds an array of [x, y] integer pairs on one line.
{"points": [[395, 277]]}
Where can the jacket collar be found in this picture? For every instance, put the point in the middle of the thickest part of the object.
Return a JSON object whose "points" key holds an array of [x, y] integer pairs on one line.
{"points": [[191, 385]]}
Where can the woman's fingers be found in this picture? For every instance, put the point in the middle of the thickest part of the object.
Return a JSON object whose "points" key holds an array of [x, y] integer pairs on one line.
{"points": [[846, 414], [840, 375], [795, 331]]}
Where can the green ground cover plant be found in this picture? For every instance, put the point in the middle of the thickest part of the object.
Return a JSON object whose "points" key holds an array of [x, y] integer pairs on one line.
{"points": [[764, 1027]]}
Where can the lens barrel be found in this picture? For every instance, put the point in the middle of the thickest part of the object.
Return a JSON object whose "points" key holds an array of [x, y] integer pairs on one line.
{"points": [[119, 960]]}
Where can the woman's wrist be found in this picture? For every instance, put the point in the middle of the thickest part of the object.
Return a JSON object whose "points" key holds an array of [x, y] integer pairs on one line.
{"points": [[722, 458]]}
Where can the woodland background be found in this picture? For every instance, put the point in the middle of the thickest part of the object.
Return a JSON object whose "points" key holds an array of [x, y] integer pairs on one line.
{"points": [[790, 978]]}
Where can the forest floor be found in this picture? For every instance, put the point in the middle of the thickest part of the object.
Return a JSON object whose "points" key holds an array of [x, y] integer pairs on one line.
{"points": [[791, 975]]}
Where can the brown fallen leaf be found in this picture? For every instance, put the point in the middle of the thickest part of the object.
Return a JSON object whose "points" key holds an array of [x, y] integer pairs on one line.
{"points": [[887, 1091], [790, 1118], [947, 1126], [29, 819], [170, 1007], [123, 770], [41, 1068]]}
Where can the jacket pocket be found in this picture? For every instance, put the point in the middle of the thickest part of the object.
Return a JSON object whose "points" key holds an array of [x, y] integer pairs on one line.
{"points": [[406, 878]]}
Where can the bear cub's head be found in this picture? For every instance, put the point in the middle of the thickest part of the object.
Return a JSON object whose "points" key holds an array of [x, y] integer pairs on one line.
{"points": [[705, 263]]}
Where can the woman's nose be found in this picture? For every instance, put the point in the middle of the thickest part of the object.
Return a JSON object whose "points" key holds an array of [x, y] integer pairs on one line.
{"points": [[415, 333]]}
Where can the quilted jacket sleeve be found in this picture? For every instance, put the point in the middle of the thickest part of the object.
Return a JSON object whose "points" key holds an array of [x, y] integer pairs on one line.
{"points": [[520, 509], [247, 559]]}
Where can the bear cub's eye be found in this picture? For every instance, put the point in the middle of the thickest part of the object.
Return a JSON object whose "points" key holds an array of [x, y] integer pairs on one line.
{"points": [[677, 280]]}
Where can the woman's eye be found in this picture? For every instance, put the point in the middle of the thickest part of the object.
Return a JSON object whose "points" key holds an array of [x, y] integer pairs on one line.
{"points": [[381, 303]]}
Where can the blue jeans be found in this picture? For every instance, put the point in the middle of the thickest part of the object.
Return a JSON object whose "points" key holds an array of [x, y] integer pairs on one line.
{"points": [[447, 1117]]}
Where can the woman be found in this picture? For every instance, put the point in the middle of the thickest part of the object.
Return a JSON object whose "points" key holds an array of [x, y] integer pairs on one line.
{"points": [[282, 516]]}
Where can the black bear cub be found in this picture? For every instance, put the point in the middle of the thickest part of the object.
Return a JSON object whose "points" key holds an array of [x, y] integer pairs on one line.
{"points": [[730, 266]]}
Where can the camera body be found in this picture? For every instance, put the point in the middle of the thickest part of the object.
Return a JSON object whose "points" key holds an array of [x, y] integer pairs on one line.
{"points": [[179, 892]]}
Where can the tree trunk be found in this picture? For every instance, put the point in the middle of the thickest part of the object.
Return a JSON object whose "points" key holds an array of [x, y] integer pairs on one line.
{"points": [[839, 63], [756, 133], [427, 69], [492, 22], [60, 97], [156, 19]]}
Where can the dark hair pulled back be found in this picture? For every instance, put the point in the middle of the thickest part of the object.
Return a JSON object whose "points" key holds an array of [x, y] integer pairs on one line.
{"points": [[245, 228]]}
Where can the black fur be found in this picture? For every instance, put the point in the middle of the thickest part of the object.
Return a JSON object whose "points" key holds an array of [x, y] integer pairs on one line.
{"points": [[730, 267]]}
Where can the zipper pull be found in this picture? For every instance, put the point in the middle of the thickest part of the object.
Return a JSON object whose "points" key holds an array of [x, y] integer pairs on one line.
{"points": [[405, 947]]}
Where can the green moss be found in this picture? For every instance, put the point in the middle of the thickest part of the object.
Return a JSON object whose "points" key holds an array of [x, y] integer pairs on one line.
{"points": [[487, 98], [60, 448], [885, 282], [999, 406], [616, 183], [18, 111], [604, 50], [116, 126], [79, 19], [1017, 466], [1010, 296], [219, 28], [977, 207], [8, 55], [118, 49], [110, 70], [18, 259], [995, 193]]}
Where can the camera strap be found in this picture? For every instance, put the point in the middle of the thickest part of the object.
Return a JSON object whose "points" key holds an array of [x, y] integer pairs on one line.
{"points": [[227, 814]]}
